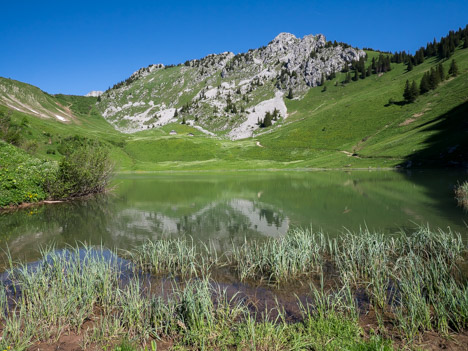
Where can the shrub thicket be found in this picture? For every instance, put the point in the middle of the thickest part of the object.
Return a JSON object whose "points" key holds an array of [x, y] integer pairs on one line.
{"points": [[85, 171]]}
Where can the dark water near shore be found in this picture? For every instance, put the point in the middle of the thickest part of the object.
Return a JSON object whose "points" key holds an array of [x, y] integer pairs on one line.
{"points": [[228, 207]]}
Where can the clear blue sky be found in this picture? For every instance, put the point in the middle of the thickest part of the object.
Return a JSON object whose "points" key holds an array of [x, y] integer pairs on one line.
{"points": [[73, 47]]}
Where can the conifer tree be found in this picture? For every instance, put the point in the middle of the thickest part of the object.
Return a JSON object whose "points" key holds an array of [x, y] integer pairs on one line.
{"points": [[356, 75], [369, 71], [453, 68], [440, 71], [465, 42], [410, 65], [414, 91], [407, 91], [434, 79], [424, 84], [322, 79], [290, 94]]}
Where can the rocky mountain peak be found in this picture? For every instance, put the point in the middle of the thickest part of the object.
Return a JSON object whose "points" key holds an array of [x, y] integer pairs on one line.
{"points": [[224, 92]]}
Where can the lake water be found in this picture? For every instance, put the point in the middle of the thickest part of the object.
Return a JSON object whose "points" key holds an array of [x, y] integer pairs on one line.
{"points": [[232, 207]]}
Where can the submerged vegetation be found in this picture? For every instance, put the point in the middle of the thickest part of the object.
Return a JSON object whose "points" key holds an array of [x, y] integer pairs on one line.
{"points": [[404, 285], [461, 193]]}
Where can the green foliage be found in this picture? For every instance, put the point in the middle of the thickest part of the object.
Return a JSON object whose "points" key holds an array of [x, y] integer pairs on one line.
{"points": [[410, 92], [461, 194], [453, 71], [410, 65], [86, 170], [22, 176]]}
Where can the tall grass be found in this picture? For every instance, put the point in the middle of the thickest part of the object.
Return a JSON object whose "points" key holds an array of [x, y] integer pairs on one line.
{"points": [[301, 252], [412, 281], [178, 256]]}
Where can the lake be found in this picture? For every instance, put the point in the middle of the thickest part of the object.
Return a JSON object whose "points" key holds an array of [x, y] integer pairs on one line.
{"points": [[233, 207]]}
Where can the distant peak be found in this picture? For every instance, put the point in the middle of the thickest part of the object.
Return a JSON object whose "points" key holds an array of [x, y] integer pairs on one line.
{"points": [[284, 37], [95, 93]]}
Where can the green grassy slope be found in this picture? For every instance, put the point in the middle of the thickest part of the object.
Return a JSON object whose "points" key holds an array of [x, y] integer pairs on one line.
{"points": [[357, 118], [43, 134]]}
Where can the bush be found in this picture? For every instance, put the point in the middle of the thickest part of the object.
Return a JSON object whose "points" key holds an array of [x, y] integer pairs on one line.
{"points": [[85, 171], [461, 194]]}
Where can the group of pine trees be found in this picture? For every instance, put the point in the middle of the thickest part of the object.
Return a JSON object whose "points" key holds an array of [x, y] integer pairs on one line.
{"points": [[429, 81], [381, 65], [443, 49], [267, 121]]}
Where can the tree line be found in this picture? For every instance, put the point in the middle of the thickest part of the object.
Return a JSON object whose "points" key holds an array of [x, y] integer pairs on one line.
{"points": [[429, 81]]}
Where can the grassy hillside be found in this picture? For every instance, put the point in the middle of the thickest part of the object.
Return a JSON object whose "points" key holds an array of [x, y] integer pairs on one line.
{"points": [[357, 118], [43, 134], [326, 127], [347, 126]]}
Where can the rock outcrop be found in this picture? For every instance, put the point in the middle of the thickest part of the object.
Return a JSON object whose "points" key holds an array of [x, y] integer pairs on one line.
{"points": [[95, 93]]}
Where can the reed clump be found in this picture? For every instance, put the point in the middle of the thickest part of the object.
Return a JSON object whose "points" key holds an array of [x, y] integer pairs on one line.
{"points": [[461, 194]]}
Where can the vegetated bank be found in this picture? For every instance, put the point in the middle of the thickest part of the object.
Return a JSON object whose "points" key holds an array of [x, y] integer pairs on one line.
{"points": [[85, 169], [461, 193], [367, 292]]}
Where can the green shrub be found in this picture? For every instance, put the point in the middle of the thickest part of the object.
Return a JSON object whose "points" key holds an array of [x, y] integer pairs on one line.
{"points": [[84, 171]]}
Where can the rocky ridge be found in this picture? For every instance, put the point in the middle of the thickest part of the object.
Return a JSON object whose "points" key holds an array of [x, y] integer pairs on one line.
{"points": [[225, 93], [95, 93]]}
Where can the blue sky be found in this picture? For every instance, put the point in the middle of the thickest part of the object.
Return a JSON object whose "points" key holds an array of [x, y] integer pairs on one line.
{"points": [[73, 47]]}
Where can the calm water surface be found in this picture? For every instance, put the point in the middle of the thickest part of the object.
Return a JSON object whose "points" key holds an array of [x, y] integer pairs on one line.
{"points": [[229, 207]]}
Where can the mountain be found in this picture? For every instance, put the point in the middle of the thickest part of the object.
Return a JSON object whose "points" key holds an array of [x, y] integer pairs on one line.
{"points": [[356, 118], [226, 94]]}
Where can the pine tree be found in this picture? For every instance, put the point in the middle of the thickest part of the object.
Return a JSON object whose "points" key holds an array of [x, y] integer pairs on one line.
{"points": [[322, 79], [356, 75], [407, 91], [414, 91], [363, 73], [290, 94], [453, 68], [434, 79], [465, 42], [424, 84], [183, 120], [267, 120], [440, 71], [369, 71], [374, 67], [410, 65]]}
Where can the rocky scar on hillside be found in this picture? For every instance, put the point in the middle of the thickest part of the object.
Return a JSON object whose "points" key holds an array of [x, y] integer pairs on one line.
{"points": [[225, 93]]}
